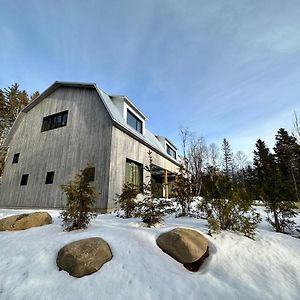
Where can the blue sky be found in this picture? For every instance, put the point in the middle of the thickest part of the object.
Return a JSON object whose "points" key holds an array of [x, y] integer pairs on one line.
{"points": [[222, 68]]}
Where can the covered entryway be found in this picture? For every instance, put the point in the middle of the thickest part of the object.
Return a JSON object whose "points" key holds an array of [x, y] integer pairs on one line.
{"points": [[162, 182]]}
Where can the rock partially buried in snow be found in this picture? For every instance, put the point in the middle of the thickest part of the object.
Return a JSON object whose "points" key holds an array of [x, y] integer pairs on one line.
{"points": [[25, 221], [187, 246], [84, 257]]}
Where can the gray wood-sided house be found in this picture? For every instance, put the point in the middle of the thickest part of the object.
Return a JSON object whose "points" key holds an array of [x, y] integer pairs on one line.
{"points": [[70, 125]]}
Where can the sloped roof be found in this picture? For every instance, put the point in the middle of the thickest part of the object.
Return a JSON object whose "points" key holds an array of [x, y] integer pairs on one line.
{"points": [[148, 138]]}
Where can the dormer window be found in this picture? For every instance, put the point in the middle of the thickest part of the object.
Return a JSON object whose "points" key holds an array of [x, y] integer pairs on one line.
{"points": [[171, 151], [134, 122]]}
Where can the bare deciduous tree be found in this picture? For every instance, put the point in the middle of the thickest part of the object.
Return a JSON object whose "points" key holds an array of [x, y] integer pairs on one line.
{"points": [[197, 157], [240, 160], [213, 156], [185, 136]]}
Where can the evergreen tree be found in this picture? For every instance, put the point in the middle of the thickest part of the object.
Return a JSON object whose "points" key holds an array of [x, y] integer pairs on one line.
{"points": [[272, 188], [34, 95], [287, 155], [250, 183], [12, 101], [81, 197], [127, 199], [227, 158], [152, 209], [228, 207]]}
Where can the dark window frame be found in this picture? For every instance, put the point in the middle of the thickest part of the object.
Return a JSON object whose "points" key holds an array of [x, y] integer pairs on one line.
{"points": [[171, 151], [134, 122], [24, 179], [49, 177], [54, 121], [16, 158]]}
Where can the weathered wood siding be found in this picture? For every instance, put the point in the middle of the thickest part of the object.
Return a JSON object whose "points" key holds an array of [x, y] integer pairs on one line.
{"points": [[65, 150], [124, 146]]}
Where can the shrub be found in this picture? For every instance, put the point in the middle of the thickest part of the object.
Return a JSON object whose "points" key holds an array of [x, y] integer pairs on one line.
{"points": [[281, 216], [230, 210], [127, 199], [81, 197], [152, 209]]}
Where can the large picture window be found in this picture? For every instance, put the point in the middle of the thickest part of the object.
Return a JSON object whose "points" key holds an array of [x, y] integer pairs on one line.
{"points": [[134, 122], [134, 174], [55, 121]]}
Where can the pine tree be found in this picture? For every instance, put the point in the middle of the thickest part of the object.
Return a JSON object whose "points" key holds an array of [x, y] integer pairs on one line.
{"points": [[34, 95], [228, 207], [151, 209], [287, 154], [12, 101], [127, 199], [81, 197], [227, 158], [272, 189]]}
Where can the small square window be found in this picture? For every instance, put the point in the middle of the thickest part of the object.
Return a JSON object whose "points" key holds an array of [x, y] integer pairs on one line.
{"points": [[90, 173], [49, 178], [16, 158], [24, 179]]}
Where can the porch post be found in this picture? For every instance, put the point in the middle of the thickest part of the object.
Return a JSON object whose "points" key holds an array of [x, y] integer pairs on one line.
{"points": [[166, 189]]}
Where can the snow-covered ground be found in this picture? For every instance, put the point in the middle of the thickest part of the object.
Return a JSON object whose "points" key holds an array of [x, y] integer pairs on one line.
{"points": [[237, 268]]}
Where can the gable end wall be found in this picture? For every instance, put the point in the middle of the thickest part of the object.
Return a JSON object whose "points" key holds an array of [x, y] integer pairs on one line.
{"points": [[65, 150]]}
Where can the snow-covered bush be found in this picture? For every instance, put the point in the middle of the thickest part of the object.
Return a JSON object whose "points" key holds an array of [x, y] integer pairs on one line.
{"points": [[81, 197]]}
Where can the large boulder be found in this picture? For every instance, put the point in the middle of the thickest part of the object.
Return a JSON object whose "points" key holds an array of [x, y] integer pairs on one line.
{"points": [[187, 246], [84, 257], [25, 221]]}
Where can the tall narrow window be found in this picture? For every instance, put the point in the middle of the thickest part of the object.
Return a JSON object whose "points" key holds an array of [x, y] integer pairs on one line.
{"points": [[49, 178], [134, 122], [55, 121], [16, 158], [24, 179], [134, 174]]}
